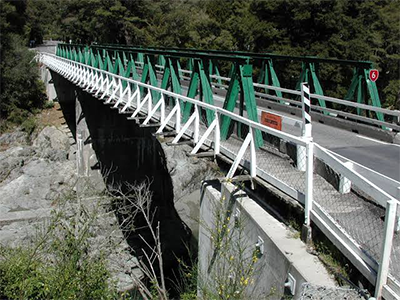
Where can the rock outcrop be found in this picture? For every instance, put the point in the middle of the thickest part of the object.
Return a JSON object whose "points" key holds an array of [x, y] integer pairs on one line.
{"points": [[34, 177]]}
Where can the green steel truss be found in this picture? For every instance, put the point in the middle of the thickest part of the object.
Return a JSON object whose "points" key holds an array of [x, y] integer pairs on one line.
{"points": [[162, 67]]}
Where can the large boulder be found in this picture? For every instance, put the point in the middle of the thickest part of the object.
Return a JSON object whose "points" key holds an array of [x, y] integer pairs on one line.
{"points": [[52, 137]]}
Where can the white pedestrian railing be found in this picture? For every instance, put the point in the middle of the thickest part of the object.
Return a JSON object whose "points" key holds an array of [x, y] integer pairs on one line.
{"points": [[334, 211]]}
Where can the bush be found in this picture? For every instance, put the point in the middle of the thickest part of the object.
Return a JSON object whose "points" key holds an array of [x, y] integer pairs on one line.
{"points": [[29, 125], [22, 91], [59, 264]]}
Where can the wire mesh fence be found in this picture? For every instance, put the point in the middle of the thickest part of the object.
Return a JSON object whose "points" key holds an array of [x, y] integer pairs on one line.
{"points": [[362, 219]]}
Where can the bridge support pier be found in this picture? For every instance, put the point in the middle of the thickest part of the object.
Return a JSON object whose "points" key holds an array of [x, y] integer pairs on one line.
{"points": [[88, 167]]}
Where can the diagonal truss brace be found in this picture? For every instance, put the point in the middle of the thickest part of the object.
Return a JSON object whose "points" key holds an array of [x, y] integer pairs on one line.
{"points": [[118, 87], [121, 97], [175, 111], [249, 141], [160, 104], [217, 136], [130, 98], [195, 117], [142, 103]]}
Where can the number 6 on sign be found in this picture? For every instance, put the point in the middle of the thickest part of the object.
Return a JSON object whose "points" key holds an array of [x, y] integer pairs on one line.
{"points": [[373, 75]]}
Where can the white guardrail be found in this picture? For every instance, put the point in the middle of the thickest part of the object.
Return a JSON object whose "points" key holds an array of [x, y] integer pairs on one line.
{"points": [[110, 87]]}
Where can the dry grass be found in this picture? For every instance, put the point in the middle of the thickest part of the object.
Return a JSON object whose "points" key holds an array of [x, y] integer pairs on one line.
{"points": [[50, 117]]}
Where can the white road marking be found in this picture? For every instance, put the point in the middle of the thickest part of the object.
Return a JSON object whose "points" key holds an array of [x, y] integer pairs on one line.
{"points": [[376, 141]]}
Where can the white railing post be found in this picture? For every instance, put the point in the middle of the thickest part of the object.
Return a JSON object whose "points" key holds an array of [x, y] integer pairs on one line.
{"points": [[305, 161], [308, 199], [196, 124], [383, 271], [178, 116], [309, 182], [253, 161], [307, 127], [217, 135], [397, 226]]}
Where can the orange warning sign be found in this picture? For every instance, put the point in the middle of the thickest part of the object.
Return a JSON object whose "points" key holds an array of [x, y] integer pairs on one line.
{"points": [[271, 120]]}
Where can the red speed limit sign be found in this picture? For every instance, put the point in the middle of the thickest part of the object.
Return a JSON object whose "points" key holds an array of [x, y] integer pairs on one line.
{"points": [[373, 75]]}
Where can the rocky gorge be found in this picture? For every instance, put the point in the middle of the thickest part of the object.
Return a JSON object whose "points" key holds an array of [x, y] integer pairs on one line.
{"points": [[38, 172]]}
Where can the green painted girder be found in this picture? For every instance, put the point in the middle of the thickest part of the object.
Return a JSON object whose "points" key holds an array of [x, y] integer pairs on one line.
{"points": [[241, 80], [170, 77], [309, 61], [373, 92], [255, 56], [192, 91], [140, 57], [190, 64], [206, 93], [308, 73], [199, 76], [268, 76], [178, 54], [310, 69], [149, 75], [161, 60]]}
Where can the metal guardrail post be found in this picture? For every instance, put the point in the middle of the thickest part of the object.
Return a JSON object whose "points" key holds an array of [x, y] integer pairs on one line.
{"points": [[306, 129], [390, 220], [306, 161]]}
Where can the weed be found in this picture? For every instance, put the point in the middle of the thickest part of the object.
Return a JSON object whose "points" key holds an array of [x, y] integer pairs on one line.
{"points": [[59, 264], [29, 125], [48, 105]]}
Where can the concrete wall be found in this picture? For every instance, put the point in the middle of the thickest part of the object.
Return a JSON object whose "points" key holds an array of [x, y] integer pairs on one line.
{"points": [[283, 253], [46, 77]]}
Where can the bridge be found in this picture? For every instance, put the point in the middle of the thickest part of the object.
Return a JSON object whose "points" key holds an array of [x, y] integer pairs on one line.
{"points": [[354, 206]]}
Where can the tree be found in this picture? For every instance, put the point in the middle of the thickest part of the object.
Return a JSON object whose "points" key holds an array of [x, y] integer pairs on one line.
{"points": [[21, 90]]}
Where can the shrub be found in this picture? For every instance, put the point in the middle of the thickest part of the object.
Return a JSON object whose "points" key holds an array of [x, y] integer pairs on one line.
{"points": [[59, 264]]}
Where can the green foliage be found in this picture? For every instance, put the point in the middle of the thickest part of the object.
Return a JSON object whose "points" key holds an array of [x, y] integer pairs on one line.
{"points": [[359, 30], [21, 90], [234, 263], [29, 125], [58, 265]]}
